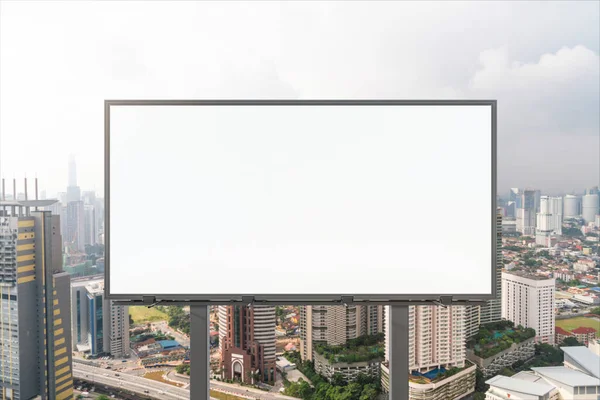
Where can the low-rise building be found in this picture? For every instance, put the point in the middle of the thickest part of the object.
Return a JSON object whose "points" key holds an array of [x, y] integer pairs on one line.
{"points": [[522, 386], [349, 370], [561, 334], [587, 298], [491, 365], [584, 334], [584, 265], [577, 379], [594, 346]]}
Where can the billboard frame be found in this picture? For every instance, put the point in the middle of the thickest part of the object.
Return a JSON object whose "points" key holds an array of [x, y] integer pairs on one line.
{"points": [[324, 299]]}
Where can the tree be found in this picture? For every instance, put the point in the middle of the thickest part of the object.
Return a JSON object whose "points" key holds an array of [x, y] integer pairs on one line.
{"points": [[338, 380], [480, 385], [570, 341], [479, 396], [369, 392], [595, 311]]}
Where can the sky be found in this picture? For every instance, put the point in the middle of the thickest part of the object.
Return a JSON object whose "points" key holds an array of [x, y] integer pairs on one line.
{"points": [[59, 61]]}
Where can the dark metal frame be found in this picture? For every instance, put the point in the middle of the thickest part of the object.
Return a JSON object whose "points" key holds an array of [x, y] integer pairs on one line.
{"points": [[240, 298]]}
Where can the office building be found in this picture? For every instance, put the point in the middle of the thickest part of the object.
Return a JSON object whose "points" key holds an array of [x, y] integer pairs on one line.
{"points": [[75, 237], [527, 212], [511, 209], [437, 343], [514, 195], [589, 207], [492, 310], [335, 325], [247, 343], [35, 334], [98, 326], [75, 212], [90, 230], [73, 191], [528, 300], [571, 206]]}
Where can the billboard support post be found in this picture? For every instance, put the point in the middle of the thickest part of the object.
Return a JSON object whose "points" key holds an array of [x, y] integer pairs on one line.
{"points": [[398, 343], [199, 353]]}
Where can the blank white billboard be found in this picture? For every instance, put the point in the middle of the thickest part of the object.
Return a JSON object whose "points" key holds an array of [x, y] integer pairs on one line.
{"points": [[300, 200]]}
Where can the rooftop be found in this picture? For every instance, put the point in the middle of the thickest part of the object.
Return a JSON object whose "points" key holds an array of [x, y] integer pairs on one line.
{"points": [[520, 385], [527, 275], [561, 331], [583, 330], [28, 203], [567, 376], [168, 344], [584, 357]]}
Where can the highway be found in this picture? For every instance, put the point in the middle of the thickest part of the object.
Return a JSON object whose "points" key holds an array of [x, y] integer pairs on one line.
{"points": [[131, 383], [159, 390]]}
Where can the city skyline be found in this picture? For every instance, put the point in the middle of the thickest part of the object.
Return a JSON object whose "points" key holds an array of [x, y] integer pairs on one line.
{"points": [[547, 86]]}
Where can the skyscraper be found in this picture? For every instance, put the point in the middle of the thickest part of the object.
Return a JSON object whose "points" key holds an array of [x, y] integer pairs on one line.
{"points": [[247, 343], [35, 334], [75, 240], [571, 203], [528, 300], [527, 212], [555, 207], [98, 325], [334, 325], [75, 212], [492, 310], [515, 196], [91, 233], [544, 224], [589, 208], [73, 191], [437, 342]]}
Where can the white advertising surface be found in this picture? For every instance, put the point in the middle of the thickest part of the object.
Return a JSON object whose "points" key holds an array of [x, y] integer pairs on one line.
{"points": [[300, 200]]}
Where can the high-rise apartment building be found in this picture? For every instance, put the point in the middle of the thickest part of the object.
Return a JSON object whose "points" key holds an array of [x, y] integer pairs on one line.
{"points": [[98, 326], [544, 224], [492, 310], [437, 342], [527, 212], [555, 208], [247, 343], [528, 300], [571, 206], [334, 325], [35, 317], [589, 207]]}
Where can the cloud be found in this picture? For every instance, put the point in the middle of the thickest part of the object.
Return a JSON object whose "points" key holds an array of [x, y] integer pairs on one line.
{"points": [[558, 94]]}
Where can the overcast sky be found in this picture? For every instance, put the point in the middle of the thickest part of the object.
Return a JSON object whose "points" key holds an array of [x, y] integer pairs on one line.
{"points": [[540, 60]]}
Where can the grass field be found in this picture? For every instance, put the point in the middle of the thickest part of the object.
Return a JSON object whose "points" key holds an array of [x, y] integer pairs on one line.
{"points": [[158, 376], [224, 396], [141, 314], [573, 323]]}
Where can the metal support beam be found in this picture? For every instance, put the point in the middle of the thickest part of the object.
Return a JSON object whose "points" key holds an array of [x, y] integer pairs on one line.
{"points": [[398, 352], [199, 353]]}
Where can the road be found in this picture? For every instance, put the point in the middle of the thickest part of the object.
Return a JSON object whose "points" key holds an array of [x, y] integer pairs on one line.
{"points": [[234, 389], [161, 390], [130, 383]]}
